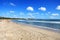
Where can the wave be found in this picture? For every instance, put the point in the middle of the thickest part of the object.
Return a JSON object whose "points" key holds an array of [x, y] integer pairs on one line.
{"points": [[46, 21]]}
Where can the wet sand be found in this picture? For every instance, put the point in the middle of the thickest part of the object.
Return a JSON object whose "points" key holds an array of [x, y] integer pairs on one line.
{"points": [[13, 31]]}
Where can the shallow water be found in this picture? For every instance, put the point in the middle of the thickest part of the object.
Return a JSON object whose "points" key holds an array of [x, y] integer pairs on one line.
{"points": [[46, 24]]}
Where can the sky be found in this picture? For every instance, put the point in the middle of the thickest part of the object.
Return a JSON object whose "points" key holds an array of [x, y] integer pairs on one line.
{"points": [[38, 9]]}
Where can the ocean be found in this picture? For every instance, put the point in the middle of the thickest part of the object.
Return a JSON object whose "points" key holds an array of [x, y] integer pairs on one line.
{"points": [[55, 25]]}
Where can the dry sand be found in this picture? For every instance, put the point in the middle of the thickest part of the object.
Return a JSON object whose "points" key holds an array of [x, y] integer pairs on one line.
{"points": [[13, 31]]}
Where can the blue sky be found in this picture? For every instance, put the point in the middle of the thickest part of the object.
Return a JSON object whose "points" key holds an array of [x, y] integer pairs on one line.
{"points": [[39, 9]]}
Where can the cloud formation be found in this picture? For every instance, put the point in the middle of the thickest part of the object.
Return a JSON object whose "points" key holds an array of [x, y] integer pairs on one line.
{"points": [[11, 11], [42, 8], [58, 7], [12, 4], [55, 14], [30, 8], [30, 15]]}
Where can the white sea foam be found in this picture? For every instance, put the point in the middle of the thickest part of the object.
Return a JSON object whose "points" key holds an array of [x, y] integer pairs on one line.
{"points": [[46, 21]]}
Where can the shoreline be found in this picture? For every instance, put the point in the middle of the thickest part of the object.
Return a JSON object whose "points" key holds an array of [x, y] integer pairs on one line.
{"points": [[41, 27], [13, 31]]}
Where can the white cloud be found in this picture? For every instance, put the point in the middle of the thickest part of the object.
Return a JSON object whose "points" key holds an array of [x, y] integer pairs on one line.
{"points": [[30, 8], [55, 14], [42, 8], [58, 7], [12, 4], [11, 11], [30, 15], [49, 12]]}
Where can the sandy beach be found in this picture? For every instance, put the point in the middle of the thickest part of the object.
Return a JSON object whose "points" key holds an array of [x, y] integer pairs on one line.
{"points": [[13, 31]]}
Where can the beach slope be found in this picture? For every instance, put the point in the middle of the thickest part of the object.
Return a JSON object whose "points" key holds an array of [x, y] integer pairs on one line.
{"points": [[13, 31]]}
